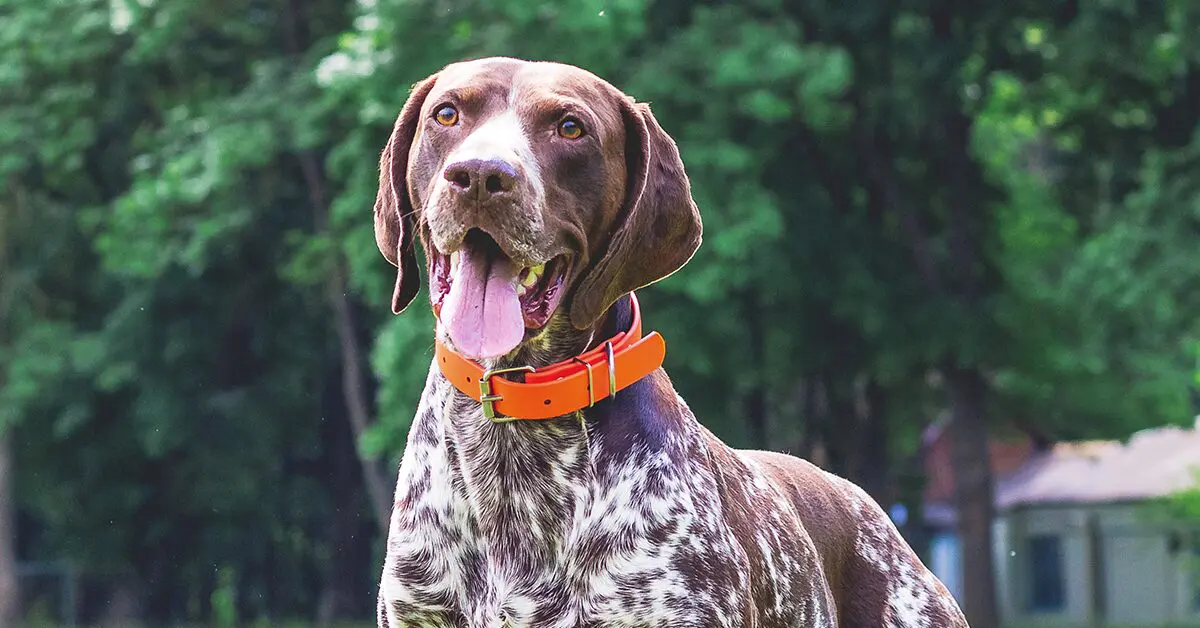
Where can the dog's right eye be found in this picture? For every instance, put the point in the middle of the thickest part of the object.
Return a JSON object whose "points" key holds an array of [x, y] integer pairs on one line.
{"points": [[446, 115], [570, 128]]}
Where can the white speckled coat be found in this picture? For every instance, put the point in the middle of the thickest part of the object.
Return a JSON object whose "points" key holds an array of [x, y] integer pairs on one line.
{"points": [[645, 520]]}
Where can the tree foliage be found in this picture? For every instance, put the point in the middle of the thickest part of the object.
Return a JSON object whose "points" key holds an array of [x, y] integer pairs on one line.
{"points": [[901, 200]]}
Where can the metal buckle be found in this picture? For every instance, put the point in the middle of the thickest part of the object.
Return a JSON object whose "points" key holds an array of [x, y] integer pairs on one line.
{"points": [[591, 390], [612, 371], [487, 398]]}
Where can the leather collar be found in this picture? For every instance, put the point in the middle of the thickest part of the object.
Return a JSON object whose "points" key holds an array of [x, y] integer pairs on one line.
{"points": [[563, 387]]}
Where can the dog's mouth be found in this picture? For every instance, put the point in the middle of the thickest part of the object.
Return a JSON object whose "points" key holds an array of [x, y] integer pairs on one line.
{"points": [[486, 302]]}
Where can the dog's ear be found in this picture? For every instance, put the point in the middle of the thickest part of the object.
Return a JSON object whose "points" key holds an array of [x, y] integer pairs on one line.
{"points": [[393, 207], [658, 229]]}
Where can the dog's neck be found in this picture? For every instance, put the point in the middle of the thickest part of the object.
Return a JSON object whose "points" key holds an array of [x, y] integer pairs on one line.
{"points": [[522, 484], [560, 340]]}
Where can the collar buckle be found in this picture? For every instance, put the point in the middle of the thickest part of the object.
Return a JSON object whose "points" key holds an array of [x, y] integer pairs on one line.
{"points": [[591, 390], [612, 370], [487, 398]]}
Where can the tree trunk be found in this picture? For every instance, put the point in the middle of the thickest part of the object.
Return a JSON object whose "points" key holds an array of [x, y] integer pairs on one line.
{"points": [[756, 418], [973, 492], [873, 461], [805, 445], [354, 390], [969, 281], [10, 591], [343, 573], [358, 408], [838, 425], [756, 400]]}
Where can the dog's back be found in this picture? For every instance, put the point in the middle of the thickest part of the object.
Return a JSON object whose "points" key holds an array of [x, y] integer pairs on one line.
{"points": [[876, 578]]}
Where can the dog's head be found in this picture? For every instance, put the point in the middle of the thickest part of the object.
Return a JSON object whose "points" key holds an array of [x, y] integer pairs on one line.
{"points": [[539, 191]]}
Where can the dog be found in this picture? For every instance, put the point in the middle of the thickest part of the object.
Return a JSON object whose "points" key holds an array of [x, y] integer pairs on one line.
{"points": [[553, 477]]}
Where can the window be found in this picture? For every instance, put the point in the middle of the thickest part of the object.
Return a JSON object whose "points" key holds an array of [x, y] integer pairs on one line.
{"points": [[1046, 574]]}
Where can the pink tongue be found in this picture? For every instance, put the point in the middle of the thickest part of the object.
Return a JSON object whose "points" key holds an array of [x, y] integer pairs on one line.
{"points": [[482, 313]]}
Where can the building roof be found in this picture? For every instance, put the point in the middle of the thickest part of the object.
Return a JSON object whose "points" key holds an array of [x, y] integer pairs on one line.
{"points": [[1153, 463]]}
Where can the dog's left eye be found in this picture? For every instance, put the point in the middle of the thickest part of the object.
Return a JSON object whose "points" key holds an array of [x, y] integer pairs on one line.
{"points": [[446, 116], [570, 128]]}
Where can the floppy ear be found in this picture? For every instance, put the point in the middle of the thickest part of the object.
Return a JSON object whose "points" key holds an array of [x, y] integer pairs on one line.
{"points": [[393, 207], [659, 227]]}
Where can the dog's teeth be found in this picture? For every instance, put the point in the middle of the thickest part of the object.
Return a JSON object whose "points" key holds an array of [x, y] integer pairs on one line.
{"points": [[532, 274], [528, 278], [454, 259]]}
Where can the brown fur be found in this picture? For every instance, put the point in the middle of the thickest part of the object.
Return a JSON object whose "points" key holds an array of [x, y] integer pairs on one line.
{"points": [[619, 194]]}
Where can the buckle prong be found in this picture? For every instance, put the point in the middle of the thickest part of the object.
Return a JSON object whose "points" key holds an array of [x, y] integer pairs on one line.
{"points": [[488, 399]]}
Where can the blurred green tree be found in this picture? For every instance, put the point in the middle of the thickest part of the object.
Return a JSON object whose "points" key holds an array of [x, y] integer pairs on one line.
{"points": [[909, 207], [170, 387]]}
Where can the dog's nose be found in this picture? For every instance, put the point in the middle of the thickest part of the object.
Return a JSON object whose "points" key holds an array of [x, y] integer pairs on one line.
{"points": [[481, 179]]}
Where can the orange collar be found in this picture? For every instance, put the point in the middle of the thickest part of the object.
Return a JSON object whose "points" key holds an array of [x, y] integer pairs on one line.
{"points": [[563, 387]]}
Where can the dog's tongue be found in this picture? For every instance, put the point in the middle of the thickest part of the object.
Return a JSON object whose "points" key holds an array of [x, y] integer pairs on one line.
{"points": [[482, 312]]}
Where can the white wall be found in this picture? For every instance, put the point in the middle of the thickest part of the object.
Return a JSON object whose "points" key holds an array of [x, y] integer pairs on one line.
{"points": [[1141, 581]]}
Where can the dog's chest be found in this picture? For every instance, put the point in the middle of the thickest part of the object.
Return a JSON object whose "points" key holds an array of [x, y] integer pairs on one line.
{"points": [[492, 534]]}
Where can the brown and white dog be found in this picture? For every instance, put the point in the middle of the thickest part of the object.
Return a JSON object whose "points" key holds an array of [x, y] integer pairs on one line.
{"points": [[543, 196]]}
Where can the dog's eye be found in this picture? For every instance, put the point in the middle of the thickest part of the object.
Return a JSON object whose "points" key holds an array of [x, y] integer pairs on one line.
{"points": [[446, 116], [571, 129]]}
